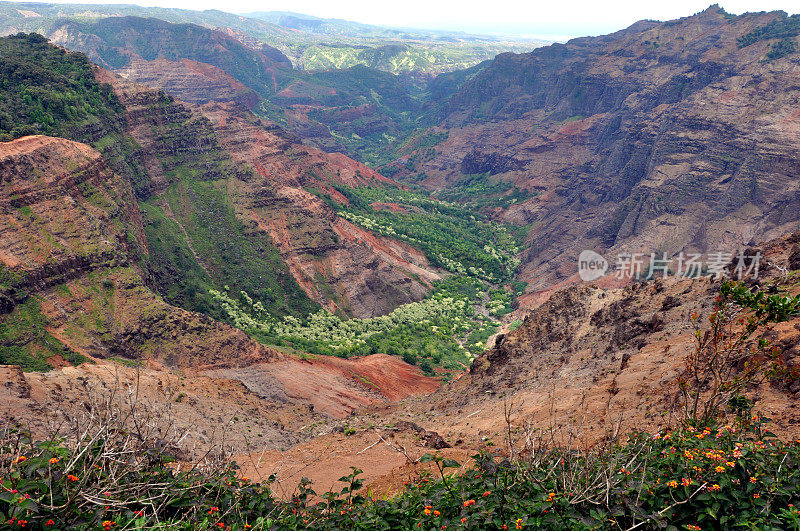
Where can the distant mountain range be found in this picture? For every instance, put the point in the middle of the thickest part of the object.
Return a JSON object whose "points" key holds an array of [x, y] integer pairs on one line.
{"points": [[309, 42]]}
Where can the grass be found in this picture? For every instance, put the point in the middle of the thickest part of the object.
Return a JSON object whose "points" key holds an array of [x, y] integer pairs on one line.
{"points": [[479, 192], [226, 253], [25, 341]]}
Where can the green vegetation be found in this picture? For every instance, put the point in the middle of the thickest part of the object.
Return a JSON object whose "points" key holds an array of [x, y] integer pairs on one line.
{"points": [[782, 48], [12, 283], [198, 244], [210, 249], [721, 471], [732, 356], [684, 479], [25, 341], [444, 331], [368, 111], [451, 236], [478, 191], [46, 90], [311, 44], [399, 57], [783, 27], [447, 329]]}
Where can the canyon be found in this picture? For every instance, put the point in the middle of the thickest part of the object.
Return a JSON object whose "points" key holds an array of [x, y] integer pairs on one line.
{"points": [[171, 194]]}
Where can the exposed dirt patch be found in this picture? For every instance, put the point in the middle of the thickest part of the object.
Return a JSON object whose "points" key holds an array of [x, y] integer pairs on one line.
{"points": [[335, 387], [386, 455]]}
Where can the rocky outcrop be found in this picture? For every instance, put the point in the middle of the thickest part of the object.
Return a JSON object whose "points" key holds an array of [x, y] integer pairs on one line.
{"points": [[68, 225], [592, 360], [663, 137], [195, 82], [344, 267], [270, 176]]}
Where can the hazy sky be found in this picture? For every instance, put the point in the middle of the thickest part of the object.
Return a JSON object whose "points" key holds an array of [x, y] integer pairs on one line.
{"points": [[553, 18]]}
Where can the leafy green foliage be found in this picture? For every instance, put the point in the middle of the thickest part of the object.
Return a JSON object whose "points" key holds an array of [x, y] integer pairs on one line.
{"points": [[444, 330], [25, 341], [774, 308], [782, 48], [46, 90], [451, 236], [674, 480], [447, 329]]}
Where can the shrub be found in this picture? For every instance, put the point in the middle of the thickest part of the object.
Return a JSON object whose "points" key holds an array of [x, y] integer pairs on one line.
{"points": [[730, 356], [686, 479]]}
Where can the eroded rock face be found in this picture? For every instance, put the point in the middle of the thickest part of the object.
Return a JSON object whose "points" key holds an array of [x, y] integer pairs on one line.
{"points": [[209, 60], [195, 82], [268, 173], [659, 138], [342, 266], [591, 360], [68, 228]]}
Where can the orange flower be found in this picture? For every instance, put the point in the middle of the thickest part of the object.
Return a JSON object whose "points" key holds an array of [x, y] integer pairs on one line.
{"points": [[753, 479], [436, 513], [19, 459], [550, 497], [464, 520], [53, 460], [486, 494], [673, 484], [247, 526], [714, 487], [49, 523], [720, 469], [469, 502], [693, 527], [756, 496], [72, 478], [519, 523], [428, 509], [686, 482]]}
